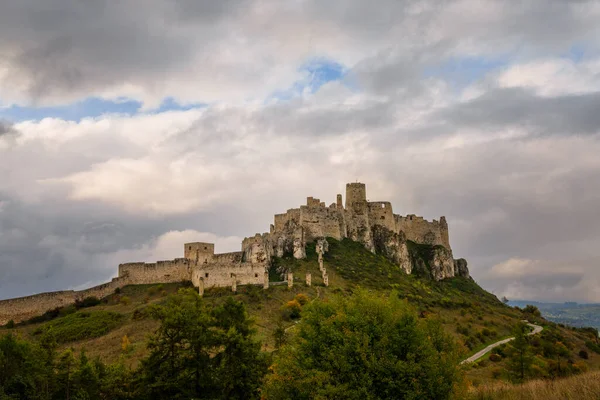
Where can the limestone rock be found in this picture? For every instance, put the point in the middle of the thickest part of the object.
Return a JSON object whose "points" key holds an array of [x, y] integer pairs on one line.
{"points": [[442, 263], [299, 250], [461, 269], [392, 245], [322, 246]]}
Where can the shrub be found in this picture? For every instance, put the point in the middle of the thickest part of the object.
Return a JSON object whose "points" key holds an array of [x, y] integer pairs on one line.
{"points": [[470, 342], [87, 302], [583, 354], [10, 324], [496, 373], [125, 344], [291, 310], [301, 298], [533, 310], [125, 300], [118, 290], [495, 357], [592, 346], [501, 350], [139, 314]]}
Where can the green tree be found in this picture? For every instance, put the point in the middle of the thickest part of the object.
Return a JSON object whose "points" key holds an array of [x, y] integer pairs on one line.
{"points": [[364, 347], [520, 356], [202, 352], [533, 310], [21, 372]]}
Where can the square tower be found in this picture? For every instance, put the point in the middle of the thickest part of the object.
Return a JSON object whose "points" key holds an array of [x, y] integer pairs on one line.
{"points": [[199, 252], [356, 193]]}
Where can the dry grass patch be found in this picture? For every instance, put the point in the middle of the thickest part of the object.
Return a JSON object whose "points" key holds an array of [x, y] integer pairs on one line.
{"points": [[580, 387]]}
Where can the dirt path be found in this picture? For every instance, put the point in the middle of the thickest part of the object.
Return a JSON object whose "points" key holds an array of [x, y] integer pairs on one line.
{"points": [[481, 353]]}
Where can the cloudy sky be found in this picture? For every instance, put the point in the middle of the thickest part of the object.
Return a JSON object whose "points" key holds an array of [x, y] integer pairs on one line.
{"points": [[130, 127]]}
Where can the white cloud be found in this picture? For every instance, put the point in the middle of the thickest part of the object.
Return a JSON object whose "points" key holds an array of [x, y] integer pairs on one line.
{"points": [[553, 77]]}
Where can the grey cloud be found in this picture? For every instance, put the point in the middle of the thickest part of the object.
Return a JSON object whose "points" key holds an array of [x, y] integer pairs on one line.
{"points": [[64, 50], [7, 129], [567, 114]]}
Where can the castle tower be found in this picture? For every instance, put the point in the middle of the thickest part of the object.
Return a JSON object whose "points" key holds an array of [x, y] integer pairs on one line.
{"points": [[199, 252], [356, 194], [444, 232], [358, 228]]}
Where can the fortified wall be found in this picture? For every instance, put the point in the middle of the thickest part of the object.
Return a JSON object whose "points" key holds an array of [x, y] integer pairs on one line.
{"points": [[23, 308], [372, 223]]}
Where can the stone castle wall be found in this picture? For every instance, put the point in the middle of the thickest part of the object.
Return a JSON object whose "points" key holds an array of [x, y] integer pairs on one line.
{"points": [[23, 308], [225, 273], [176, 270]]}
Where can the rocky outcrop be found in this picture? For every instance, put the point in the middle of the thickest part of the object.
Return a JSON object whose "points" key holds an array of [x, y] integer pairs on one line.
{"points": [[460, 268], [392, 245], [442, 263]]}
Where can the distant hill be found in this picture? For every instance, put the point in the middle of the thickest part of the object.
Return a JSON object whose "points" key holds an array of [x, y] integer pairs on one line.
{"points": [[569, 313]]}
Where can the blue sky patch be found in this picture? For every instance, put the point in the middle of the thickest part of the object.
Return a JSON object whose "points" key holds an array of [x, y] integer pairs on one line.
{"points": [[92, 107], [317, 72], [460, 72]]}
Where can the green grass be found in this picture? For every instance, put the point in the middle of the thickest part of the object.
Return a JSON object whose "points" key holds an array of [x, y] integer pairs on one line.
{"points": [[81, 325]]}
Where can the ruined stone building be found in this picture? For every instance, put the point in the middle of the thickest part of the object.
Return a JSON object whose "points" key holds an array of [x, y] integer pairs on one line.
{"points": [[373, 224]]}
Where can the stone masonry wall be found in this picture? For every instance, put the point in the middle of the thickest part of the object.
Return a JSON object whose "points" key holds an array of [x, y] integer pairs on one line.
{"points": [[23, 308], [420, 230], [160, 272], [222, 274]]}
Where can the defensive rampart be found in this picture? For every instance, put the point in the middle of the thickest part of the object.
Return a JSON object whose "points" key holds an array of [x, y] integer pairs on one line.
{"points": [[23, 308]]}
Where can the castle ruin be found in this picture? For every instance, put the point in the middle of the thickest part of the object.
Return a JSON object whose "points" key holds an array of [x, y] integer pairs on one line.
{"points": [[371, 223]]}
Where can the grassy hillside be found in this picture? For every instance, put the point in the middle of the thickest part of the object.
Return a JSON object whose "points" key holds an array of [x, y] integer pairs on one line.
{"points": [[580, 387], [117, 327]]}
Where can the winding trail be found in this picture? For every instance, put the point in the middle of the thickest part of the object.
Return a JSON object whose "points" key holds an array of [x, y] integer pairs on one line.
{"points": [[481, 353]]}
